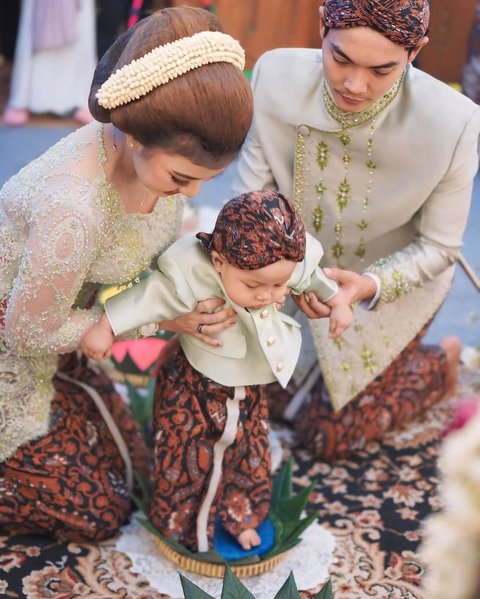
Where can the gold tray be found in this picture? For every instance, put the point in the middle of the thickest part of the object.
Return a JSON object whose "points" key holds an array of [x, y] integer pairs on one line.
{"points": [[217, 570]]}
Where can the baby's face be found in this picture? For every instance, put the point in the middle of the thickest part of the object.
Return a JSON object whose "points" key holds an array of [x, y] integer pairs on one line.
{"points": [[255, 288]]}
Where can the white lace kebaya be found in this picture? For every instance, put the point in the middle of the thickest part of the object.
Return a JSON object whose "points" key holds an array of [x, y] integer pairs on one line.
{"points": [[167, 62]]}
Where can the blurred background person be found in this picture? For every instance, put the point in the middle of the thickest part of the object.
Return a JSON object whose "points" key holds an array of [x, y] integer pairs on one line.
{"points": [[55, 56], [114, 16], [471, 71]]}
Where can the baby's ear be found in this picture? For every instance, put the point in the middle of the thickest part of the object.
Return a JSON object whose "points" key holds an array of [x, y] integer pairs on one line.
{"points": [[217, 261]]}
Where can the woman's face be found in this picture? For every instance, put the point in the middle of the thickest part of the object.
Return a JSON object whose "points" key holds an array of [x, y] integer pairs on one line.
{"points": [[361, 65], [165, 174]]}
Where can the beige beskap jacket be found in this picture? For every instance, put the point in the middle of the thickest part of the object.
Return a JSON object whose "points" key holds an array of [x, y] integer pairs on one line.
{"points": [[263, 345], [425, 151]]}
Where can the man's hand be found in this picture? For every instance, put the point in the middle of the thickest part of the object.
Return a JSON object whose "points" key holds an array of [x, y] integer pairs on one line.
{"points": [[357, 287], [311, 306]]}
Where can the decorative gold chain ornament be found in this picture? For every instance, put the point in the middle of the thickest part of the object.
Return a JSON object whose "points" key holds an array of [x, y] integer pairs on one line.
{"points": [[167, 62], [347, 121]]}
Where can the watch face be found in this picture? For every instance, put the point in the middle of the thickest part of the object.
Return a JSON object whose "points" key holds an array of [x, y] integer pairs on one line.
{"points": [[148, 330]]}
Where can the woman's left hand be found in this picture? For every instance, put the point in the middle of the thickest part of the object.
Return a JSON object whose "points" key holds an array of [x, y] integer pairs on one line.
{"points": [[203, 321]]}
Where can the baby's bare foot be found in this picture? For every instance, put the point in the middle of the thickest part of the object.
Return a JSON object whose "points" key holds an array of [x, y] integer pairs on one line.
{"points": [[249, 538]]}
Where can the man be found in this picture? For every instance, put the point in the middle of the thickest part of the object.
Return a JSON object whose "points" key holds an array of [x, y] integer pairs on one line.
{"points": [[379, 158]]}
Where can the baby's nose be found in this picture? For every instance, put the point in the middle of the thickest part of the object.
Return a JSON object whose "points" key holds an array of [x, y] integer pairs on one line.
{"points": [[265, 295]]}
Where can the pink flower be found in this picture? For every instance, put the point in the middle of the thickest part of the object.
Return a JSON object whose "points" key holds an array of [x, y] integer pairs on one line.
{"points": [[143, 352], [466, 408]]}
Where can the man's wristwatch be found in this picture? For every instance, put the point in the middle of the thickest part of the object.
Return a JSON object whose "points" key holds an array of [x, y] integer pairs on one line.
{"points": [[147, 330]]}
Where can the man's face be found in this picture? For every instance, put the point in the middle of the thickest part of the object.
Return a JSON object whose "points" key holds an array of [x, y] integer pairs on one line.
{"points": [[361, 65]]}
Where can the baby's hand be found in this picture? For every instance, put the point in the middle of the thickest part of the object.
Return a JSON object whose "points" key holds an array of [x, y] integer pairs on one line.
{"points": [[97, 342], [341, 317]]}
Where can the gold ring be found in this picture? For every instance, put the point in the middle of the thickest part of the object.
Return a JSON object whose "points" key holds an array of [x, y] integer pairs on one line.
{"points": [[199, 328]]}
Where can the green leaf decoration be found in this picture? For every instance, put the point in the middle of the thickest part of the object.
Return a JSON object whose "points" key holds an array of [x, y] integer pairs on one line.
{"points": [[146, 488], [285, 514], [294, 506], [141, 405], [326, 592], [289, 589], [127, 365], [192, 591], [282, 486], [233, 587], [211, 557], [178, 548], [139, 504]]}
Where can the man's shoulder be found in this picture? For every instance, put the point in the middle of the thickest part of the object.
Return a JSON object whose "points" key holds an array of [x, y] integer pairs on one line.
{"points": [[438, 100], [290, 60], [278, 56], [286, 76]]}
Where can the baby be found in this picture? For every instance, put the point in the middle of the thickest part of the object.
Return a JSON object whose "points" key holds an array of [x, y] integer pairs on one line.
{"points": [[212, 458]]}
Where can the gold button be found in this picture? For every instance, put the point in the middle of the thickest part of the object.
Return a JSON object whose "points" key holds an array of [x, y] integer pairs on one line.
{"points": [[270, 341], [280, 367], [264, 313]]}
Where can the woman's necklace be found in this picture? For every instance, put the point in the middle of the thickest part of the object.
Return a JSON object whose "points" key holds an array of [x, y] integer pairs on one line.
{"points": [[122, 167], [347, 121]]}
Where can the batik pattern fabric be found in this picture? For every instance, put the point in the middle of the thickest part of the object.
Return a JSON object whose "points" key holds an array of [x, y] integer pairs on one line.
{"points": [[256, 229], [414, 381], [190, 415], [70, 483], [404, 22]]}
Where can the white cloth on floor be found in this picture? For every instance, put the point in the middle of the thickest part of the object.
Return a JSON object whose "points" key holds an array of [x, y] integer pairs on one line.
{"points": [[309, 561]]}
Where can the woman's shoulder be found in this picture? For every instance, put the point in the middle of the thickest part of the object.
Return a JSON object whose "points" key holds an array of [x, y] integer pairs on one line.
{"points": [[75, 154], [66, 176]]}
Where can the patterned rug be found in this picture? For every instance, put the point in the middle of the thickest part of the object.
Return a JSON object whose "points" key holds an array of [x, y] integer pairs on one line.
{"points": [[373, 504]]}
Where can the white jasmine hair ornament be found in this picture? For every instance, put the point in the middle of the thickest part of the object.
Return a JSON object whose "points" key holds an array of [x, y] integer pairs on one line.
{"points": [[167, 62]]}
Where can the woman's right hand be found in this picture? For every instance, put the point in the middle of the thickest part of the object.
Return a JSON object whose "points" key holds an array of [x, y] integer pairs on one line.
{"points": [[203, 321]]}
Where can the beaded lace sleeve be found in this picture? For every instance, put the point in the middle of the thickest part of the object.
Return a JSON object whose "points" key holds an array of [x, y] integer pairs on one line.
{"points": [[60, 245]]}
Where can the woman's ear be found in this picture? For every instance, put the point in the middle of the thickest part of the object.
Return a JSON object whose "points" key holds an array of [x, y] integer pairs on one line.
{"points": [[132, 143], [217, 261]]}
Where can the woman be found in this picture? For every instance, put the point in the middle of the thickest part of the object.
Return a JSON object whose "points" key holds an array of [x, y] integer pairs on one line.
{"points": [[381, 158], [94, 209]]}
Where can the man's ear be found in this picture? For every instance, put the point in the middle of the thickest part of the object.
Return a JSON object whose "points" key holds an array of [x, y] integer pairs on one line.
{"points": [[321, 23], [217, 261], [413, 54]]}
